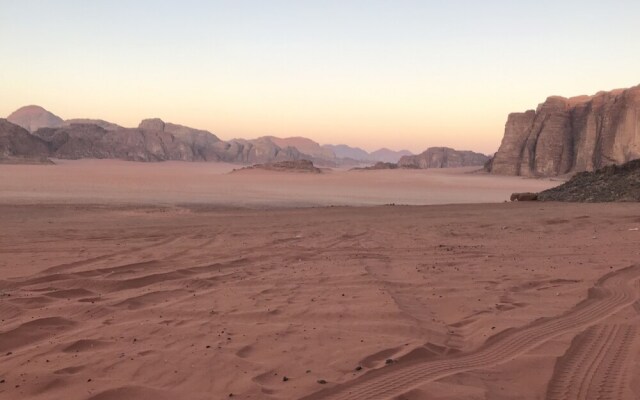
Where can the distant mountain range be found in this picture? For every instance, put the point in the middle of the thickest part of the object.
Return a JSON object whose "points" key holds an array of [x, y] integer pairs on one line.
{"points": [[33, 133]]}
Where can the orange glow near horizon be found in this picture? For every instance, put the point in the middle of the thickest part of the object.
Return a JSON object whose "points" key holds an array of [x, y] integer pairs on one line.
{"points": [[397, 75]]}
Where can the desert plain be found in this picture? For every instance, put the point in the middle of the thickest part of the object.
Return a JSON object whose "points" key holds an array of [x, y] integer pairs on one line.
{"points": [[184, 281]]}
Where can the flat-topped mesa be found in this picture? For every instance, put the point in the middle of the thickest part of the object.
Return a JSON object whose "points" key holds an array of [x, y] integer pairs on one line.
{"points": [[568, 135], [152, 124], [443, 157]]}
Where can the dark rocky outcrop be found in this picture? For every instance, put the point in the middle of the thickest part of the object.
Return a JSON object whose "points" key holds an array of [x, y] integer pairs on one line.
{"points": [[611, 183], [17, 145], [443, 157], [303, 166], [524, 196], [377, 166], [568, 135]]}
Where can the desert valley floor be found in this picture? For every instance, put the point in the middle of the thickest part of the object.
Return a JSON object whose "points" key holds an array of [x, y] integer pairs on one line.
{"points": [[132, 295]]}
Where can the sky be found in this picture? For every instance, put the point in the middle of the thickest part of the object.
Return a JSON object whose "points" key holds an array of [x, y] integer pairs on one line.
{"points": [[397, 74]]}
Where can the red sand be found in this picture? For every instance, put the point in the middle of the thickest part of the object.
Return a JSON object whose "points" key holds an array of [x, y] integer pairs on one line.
{"points": [[486, 301], [100, 181]]}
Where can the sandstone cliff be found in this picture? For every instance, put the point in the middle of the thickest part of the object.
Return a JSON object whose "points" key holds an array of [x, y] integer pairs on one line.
{"points": [[156, 140], [443, 157], [16, 144], [152, 140], [567, 135]]}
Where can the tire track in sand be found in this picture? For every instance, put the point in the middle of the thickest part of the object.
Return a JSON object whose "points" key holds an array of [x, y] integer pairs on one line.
{"points": [[591, 368], [610, 294]]}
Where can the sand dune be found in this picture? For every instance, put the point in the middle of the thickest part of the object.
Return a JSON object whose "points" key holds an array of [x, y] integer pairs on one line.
{"points": [[489, 301]]}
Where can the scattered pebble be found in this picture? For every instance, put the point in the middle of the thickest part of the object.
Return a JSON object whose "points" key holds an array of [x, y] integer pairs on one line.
{"points": [[284, 379], [389, 361], [322, 381]]}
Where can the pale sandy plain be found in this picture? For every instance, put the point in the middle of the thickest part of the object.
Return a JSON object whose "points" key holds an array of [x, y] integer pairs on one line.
{"points": [[147, 281]]}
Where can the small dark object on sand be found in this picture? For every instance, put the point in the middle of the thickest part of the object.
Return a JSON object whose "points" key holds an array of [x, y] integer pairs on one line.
{"points": [[526, 196], [322, 381]]}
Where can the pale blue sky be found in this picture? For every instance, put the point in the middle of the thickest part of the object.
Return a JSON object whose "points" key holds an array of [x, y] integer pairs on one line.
{"points": [[400, 74]]}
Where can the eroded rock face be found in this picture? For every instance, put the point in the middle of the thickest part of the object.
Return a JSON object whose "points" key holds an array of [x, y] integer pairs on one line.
{"points": [[570, 135], [155, 140], [17, 142], [443, 157]]}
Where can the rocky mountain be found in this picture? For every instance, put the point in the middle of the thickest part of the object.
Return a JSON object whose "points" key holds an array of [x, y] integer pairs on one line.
{"points": [[259, 151], [611, 183], [137, 144], [344, 151], [443, 157], [377, 166], [568, 135], [304, 145], [156, 140], [33, 118], [152, 140], [299, 166], [106, 125], [386, 155], [17, 144]]}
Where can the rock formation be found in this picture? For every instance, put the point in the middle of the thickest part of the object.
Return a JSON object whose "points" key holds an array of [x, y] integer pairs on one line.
{"points": [[386, 155], [18, 145], [610, 183], [304, 145], [106, 125], [304, 166], [443, 157], [33, 118], [377, 166], [156, 140], [344, 151], [570, 135]]}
